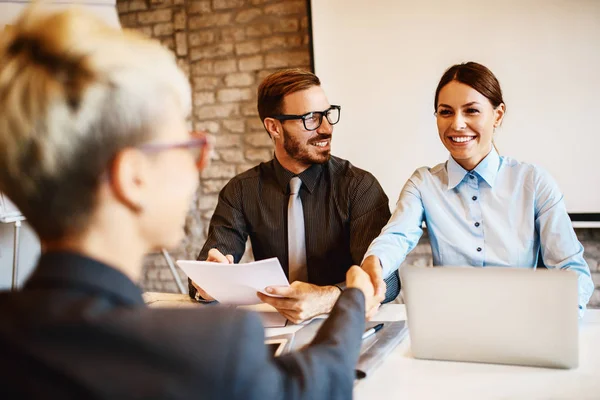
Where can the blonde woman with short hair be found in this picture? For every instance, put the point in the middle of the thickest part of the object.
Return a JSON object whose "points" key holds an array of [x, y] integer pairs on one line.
{"points": [[95, 151]]}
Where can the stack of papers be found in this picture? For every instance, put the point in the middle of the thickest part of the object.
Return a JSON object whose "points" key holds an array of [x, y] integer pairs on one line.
{"points": [[235, 283]]}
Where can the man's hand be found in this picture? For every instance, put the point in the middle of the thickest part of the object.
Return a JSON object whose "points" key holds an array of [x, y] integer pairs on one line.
{"points": [[301, 300], [372, 266], [214, 255], [357, 278]]}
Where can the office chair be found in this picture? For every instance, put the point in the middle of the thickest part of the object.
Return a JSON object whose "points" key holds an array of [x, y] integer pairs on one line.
{"points": [[171, 265], [9, 214]]}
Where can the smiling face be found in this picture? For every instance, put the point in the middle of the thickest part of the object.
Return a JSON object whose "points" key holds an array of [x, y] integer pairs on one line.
{"points": [[296, 147], [466, 120]]}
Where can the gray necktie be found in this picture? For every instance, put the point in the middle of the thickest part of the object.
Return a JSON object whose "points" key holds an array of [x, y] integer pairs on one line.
{"points": [[296, 238]]}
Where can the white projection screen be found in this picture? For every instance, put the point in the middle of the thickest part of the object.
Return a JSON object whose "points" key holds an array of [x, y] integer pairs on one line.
{"points": [[382, 59]]}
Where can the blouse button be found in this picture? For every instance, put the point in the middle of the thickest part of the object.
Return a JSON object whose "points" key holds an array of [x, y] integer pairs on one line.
{"points": [[479, 249]]}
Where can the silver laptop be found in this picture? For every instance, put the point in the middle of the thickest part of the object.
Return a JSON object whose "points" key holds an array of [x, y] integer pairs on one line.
{"points": [[493, 315]]}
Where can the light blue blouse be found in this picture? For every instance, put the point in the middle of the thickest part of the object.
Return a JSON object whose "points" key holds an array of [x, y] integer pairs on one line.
{"points": [[499, 214]]}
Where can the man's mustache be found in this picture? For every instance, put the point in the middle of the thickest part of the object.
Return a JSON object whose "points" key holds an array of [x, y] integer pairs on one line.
{"points": [[319, 138]]}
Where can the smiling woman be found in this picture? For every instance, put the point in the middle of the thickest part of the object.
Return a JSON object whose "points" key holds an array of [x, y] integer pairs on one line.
{"points": [[481, 209], [469, 107]]}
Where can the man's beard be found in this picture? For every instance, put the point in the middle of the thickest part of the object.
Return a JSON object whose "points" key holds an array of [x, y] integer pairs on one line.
{"points": [[300, 151]]}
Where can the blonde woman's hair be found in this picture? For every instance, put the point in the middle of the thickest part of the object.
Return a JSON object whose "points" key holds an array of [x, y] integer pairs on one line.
{"points": [[73, 93]]}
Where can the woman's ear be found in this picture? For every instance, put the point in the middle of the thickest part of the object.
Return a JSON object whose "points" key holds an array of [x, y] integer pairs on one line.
{"points": [[273, 127], [129, 178], [499, 115]]}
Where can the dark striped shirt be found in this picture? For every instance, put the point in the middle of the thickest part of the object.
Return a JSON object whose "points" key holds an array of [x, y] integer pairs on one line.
{"points": [[344, 210]]}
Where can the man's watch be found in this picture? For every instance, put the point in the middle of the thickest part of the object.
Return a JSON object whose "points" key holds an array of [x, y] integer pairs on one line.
{"points": [[194, 294], [199, 299]]}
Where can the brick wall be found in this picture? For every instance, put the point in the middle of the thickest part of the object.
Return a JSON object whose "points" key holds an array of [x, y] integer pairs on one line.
{"points": [[590, 238], [226, 47]]}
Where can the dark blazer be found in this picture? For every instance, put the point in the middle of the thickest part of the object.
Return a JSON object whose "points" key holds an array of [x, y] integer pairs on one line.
{"points": [[80, 329]]}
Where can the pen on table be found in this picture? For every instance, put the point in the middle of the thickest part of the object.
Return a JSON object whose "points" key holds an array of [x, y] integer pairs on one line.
{"points": [[371, 331]]}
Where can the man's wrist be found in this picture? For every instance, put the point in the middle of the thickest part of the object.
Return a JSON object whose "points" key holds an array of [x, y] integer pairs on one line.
{"points": [[332, 294]]}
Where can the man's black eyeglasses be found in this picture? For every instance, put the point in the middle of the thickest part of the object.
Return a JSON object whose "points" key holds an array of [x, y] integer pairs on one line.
{"points": [[312, 120]]}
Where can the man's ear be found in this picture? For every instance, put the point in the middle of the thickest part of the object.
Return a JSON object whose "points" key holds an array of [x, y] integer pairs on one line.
{"points": [[129, 177], [273, 127]]}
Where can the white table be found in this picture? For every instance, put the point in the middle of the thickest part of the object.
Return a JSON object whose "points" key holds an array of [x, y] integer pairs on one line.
{"points": [[401, 376]]}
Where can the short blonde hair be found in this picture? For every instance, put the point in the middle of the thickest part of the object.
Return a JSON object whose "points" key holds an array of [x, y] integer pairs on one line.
{"points": [[73, 93]]}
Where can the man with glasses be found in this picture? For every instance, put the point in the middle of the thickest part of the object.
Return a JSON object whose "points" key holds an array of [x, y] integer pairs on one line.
{"points": [[315, 212]]}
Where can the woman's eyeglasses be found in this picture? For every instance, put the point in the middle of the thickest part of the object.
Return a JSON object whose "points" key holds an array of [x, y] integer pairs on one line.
{"points": [[313, 120], [200, 144]]}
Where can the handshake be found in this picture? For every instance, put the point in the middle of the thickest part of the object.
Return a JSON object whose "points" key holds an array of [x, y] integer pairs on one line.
{"points": [[301, 300]]}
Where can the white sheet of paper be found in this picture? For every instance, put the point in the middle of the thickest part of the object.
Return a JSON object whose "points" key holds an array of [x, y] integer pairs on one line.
{"points": [[235, 283]]}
